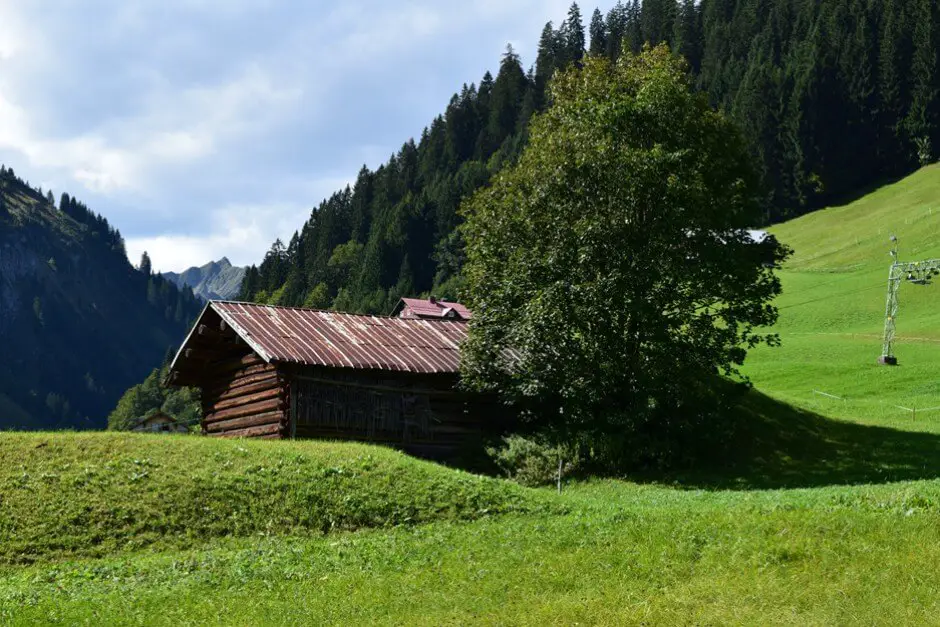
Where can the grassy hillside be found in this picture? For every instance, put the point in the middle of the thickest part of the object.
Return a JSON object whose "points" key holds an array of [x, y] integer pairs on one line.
{"points": [[832, 309], [623, 554], [93, 494], [810, 521]]}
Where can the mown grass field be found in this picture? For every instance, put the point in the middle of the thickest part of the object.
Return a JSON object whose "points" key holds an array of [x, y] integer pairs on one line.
{"points": [[833, 306], [829, 513], [621, 554]]}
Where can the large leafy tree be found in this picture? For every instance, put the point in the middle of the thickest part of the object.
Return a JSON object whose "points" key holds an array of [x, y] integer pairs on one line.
{"points": [[613, 259]]}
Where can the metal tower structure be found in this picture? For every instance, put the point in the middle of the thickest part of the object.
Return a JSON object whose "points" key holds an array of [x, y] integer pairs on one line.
{"points": [[915, 272]]}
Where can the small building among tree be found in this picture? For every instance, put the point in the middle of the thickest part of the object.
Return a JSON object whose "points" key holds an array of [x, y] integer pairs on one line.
{"points": [[159, 422], [430, 309], [281, 372]]}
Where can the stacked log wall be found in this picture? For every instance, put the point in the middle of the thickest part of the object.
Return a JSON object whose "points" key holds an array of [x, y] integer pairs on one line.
{"points": [[244, 397], [449, 423]]}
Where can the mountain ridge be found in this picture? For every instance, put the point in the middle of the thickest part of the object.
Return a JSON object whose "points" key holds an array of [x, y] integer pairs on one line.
{"points": [[78, 323], [216, 280]]}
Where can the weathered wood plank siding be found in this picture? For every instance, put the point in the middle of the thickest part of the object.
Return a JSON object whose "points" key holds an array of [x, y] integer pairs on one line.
{"points": [[420, 413], [244, 397]]}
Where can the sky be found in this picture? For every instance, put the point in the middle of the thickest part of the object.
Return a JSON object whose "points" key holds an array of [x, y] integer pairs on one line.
{"points": [[208, 128]]}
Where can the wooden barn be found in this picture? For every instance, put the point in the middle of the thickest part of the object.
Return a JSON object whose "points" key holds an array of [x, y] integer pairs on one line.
{"points": [[281, 372], [159, 422]]}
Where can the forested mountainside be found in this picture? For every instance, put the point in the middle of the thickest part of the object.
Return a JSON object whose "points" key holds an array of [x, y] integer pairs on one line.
{"points": [[78, 323], [217, 280], [834, 96]]}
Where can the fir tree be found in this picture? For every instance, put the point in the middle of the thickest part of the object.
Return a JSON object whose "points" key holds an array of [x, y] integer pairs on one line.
{"points": [[657, 20], [546, 62], [616, 29], [687, 36], [920, 122], [145, 266], [508, 92], [572, 36], [890, 92], [598, 30]]}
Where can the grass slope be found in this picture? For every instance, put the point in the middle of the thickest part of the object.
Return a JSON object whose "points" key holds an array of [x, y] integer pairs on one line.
{"points": [[94, 494], [815, 522], [832, 310], [624, 554]]}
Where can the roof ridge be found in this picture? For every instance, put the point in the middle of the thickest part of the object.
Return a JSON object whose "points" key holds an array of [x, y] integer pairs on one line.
{"points": [[331, 312]]}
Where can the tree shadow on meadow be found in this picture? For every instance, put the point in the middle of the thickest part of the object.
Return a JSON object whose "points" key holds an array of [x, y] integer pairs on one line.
{"points": [[776, 445]]}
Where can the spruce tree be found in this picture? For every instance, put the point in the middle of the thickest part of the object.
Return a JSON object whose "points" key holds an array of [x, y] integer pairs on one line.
{"points": [[616, 29], [573, 36], [145, 266], [633, 29], [657, 19], [687, 36], [508, 92], [920, 121], [598, 34], [890, 89], [547, 59]]}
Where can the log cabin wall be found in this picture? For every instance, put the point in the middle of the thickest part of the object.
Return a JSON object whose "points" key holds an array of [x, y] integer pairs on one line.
{"points": [[244, 397], [419, 413]]}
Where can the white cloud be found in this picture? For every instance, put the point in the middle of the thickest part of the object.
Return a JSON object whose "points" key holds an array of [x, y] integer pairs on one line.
{"points": [[241, 233], [156, 113], [174, 129]]}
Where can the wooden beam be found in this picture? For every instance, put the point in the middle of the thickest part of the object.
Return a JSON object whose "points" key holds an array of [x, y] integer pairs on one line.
{"points": [[223, 386], [210, 354], [271, 392], [209, 333], [250, 432], [256, 383], [245, 410], [228, 365], [274, 417]]}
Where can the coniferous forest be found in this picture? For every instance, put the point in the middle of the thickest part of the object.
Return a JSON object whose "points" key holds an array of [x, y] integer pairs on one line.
{"points": [[78, 323], [834, 97]]}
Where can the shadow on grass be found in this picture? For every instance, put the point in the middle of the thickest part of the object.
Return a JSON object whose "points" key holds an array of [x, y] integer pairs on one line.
{"points": [[776, 445]]}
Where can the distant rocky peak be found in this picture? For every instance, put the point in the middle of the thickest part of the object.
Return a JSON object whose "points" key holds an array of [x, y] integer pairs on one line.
{"points": [[216, 280]]}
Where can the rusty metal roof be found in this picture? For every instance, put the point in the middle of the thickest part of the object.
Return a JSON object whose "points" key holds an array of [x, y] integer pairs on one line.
{"points": [[432, 308], [324, 338]]}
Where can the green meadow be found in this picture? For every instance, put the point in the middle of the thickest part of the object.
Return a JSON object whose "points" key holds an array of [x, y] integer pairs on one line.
{"points": [[832, 310], [828, 511]]}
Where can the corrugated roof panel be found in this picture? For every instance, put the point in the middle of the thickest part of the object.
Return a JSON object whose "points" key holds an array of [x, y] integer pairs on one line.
{"points": [[312, 337]]}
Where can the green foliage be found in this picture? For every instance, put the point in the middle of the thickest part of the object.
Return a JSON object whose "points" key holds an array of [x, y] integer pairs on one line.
{"points": [[318, 297], [145, 267], [533, 463], [924, 151], [95, 494], [74, 309], [37, 310], [599, 34], [614, 257], [831, 96], [147, 398]]}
